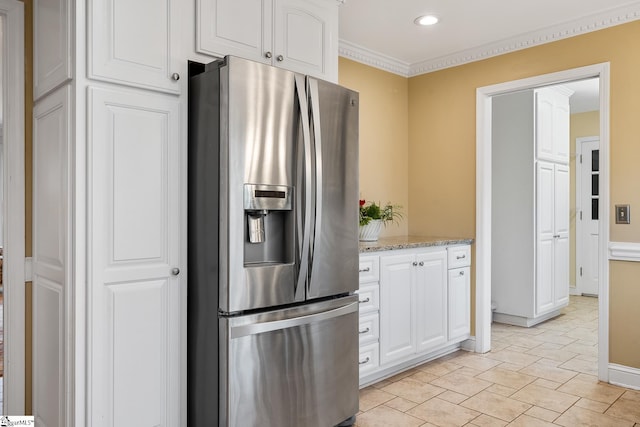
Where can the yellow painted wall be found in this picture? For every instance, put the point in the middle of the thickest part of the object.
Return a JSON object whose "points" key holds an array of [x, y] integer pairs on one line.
{"points": [[442, 121], [582, 124], [384, 125]]}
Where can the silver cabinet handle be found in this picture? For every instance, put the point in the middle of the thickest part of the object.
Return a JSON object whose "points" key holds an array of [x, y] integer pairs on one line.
{"points": [[175, 76], [421, 263], [363, 301], [364, 331], [365, 270], [267, 54], [461, 257], [175, 271], [556, 236], [414, 263], [362, 362], [280, 58], [461, 273]]}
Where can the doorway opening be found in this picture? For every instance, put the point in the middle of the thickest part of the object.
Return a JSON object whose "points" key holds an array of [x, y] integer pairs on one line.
{"points": [[484, 199]]}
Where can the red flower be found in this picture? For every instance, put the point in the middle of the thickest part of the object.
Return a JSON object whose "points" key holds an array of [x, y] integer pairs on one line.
{"points": [[362, 202]]}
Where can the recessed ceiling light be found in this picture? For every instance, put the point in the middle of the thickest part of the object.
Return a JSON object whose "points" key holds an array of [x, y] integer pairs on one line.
{"points": [[426, 20]]}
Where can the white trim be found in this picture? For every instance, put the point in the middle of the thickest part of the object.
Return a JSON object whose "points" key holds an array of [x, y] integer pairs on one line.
{"points": [[624, 251], [578, 198], [624, 376], [583, 25], [14, 229], [483, 201]]}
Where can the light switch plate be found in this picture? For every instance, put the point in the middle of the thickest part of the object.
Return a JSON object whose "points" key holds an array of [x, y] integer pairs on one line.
{"points": [[622, 214]]}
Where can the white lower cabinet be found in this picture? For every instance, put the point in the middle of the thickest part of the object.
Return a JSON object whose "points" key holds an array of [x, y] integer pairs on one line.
{"points": [[424, 308]]}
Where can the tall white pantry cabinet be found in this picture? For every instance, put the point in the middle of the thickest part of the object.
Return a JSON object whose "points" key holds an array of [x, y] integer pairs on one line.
{"points": [[110, 144], [530, 205]]}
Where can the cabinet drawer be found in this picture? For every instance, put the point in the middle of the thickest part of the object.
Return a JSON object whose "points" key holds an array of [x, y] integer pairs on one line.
{"points": [[459, 256], [369, 298], [369, 269], [369, 329], [369, 358]]}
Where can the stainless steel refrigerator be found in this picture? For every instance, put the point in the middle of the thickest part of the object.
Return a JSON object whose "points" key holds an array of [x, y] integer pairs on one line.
{"points": [[273, 248]]}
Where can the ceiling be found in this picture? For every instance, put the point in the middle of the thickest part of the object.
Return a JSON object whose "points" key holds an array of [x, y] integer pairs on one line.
{"points": [[382, 32]]}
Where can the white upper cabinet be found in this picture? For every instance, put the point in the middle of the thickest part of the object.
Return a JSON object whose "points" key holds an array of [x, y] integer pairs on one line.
{"points": [[299, 35], [552, 124], [135, 43]]}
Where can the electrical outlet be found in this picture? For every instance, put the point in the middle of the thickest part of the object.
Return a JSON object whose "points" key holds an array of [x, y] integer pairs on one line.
{"points": [[622, 214]]}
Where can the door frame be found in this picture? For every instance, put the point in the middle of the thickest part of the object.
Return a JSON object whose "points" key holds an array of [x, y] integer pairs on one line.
{"points": [[483, 200], [579, 224], [14, 210]]}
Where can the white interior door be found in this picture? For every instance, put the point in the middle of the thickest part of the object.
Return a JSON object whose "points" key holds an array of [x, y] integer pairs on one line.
{"points": [[588, 199]]}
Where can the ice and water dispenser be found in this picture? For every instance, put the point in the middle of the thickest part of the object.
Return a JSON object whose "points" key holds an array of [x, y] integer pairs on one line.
{"points": [[269, 219]]}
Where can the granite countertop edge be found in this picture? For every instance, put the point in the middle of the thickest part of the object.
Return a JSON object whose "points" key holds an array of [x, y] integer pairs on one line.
{"points": [[409, 242]]}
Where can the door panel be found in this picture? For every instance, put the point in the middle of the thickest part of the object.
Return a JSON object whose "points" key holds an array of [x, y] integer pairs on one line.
{"points": [[431, 299], [587, 233], [396, 302]]}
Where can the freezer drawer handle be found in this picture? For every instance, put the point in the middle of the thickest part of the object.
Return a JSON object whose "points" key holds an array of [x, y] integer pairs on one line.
{"points": [[364, 362], [461, 273], [363, 301], [364, 331], [461, 257], [260, 327], [365, 270]]}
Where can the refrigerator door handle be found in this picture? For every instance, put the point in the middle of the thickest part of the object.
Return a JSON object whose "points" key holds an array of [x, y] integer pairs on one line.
{"points": [[304, 218], [314, 98], [261, 327]]}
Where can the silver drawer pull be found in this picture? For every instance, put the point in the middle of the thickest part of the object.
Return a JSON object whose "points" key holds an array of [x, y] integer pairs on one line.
{"points": [[365, 270], [364, 301], [364, 331], [414, 263], [421, 263], [461, 257], [461, 273], [363, 362]]}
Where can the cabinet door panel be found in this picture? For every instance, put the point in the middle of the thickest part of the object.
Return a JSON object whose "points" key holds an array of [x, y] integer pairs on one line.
{"points": [[396, 315], [135, 300], [459, 319], [544, 124], [431, 299], [561, 272], [561, 200], [232, 27], [135, 42]]}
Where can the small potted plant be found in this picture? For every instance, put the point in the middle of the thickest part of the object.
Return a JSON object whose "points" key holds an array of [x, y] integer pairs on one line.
{"points": [[373, 216]]}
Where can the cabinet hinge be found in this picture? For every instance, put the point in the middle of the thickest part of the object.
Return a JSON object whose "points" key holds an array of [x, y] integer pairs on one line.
{"points": [[580, 215], [580, 158], [580, 271]]}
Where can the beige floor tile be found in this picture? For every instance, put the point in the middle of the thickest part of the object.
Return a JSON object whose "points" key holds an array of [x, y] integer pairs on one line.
{"points": [[545, 398], [522, 340], [443, 413], [477, 362], [583, 417], [452, 397], [554, 337], [527, 421], [546, 383], [413, 390], [587, 386], [383, 416], [513, 357], [402, 405], [423, 376], [497, 406], [631, 395], [470, 372], [381, 384], [551, 373], [628, 409], [579, 365], [543, 414], [440, 368], [507, 378], [592, 405], [485, 420], [501, 390], [560, 354], [371, 397], [402, 375], [583, 334], [510, 366], [461, 383]]}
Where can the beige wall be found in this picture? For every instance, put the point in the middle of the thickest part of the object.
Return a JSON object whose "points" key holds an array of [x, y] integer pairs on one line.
{"points": [[442, 149], [384, 127], [439, 149], [582, 124]]}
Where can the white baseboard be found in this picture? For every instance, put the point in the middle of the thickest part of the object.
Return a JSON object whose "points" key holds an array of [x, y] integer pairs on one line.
{"points": [[468, 344], [624, 376], [525, 322], [574, 291]]}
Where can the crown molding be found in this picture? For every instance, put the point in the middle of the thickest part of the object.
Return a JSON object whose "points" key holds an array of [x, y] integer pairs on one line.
{"points": [[554, 33], [369, 57]]}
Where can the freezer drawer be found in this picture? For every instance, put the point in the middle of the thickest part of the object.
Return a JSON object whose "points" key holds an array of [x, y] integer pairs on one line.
{"points": [[293, 367]]}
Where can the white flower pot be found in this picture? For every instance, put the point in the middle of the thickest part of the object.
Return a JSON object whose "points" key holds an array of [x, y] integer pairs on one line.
{"points": [[371, 231]]}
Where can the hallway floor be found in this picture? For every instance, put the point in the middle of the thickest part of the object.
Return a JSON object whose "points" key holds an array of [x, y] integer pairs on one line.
{"points": [[539, 376]]}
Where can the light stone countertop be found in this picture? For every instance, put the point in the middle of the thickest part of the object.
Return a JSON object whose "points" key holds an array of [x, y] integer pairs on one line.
{"points": [[408, 242]]}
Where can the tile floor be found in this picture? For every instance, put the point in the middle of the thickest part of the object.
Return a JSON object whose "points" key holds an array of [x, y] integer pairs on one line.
{"points": [[539, 376]]}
